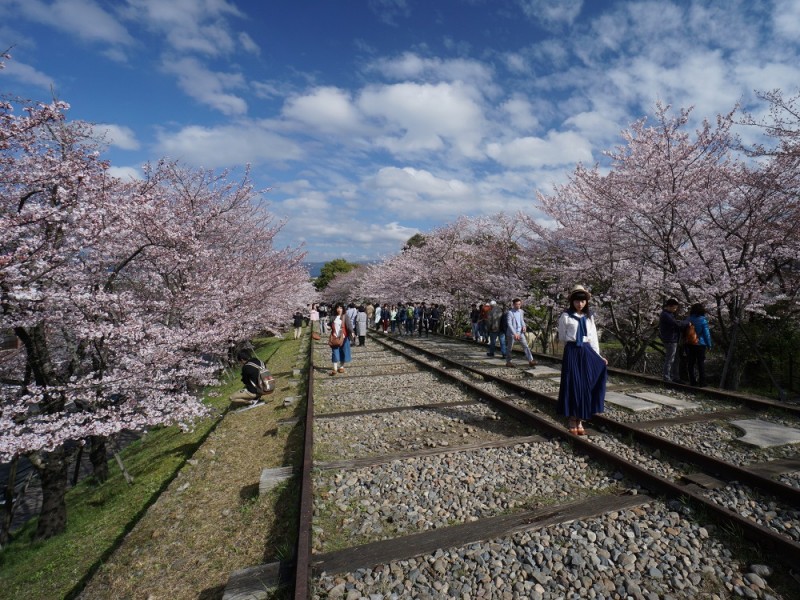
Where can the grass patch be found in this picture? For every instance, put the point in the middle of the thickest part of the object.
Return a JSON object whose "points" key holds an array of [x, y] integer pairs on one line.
{"points": [[102, 518]]}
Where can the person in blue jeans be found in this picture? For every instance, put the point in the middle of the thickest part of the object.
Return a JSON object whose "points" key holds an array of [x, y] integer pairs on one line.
{"points": [[497, 330], [696, 353], [515, 332], [669, 330]]}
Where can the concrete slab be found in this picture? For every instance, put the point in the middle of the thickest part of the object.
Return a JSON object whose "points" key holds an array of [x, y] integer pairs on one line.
{"points": [[629, 402], [494, 360], [541, 371], [764, 434], [272, 477], [253, 583], [676, 403]]}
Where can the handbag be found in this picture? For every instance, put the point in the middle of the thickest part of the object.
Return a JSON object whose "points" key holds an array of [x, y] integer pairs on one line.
{"points": [[335, 341]]}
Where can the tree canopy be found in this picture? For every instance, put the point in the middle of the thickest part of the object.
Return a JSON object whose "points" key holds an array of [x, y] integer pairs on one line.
{"points": [[330, 270]]}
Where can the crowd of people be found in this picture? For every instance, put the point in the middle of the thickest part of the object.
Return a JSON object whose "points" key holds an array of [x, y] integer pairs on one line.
{"points": [[583, 371], [398, 319]]}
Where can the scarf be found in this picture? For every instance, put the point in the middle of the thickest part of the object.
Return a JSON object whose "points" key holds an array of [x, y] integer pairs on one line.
{"points": [[581, 333]]}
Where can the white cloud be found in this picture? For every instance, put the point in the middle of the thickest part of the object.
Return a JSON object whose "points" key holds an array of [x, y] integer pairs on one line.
{"points": [[388, 11], [412, 66], [515, 62], [227, 146], [419, 182], [249, 44], [520, 113], [116, 135], [551, 12], [558, 148], [600, 125], [703, 80], [368, 241], [310, 201], [189, 25], [419, 194], [422, 117], [786, 19], [768, 76], [208, 87], [326, 109], [27, 74], [126, 173], [83, 18]]}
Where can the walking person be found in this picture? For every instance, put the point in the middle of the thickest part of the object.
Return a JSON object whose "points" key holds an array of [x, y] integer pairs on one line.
{"points": [[515, 332], [582, 391], [474, 317], [697, 346], [423, 313], [323, 319], [297, 321], [313, 318], [434, 318], [361, 325], [496, 328], [351, 313], [340, 354], [386, 317], [370, 312], [669, 330], [410, 312], [483, 322]]}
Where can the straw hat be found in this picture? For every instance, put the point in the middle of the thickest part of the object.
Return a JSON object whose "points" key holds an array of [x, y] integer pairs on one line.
{"points": [[579, 289]]}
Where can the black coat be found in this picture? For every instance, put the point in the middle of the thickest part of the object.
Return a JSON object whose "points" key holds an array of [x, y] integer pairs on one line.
{"points": [[250, 372]]}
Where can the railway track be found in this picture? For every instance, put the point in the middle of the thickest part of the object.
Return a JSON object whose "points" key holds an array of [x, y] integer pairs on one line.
{"points": [[431, 471]]}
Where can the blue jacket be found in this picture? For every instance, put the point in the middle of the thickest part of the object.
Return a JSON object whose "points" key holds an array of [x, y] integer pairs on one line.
{"points": [[701, 329]]}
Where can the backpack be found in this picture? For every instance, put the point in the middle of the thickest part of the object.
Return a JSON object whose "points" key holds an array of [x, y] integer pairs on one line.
{"points": [[690, 335], [265, 382]]}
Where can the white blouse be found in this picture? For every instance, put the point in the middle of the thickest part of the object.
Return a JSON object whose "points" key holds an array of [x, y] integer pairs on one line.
{"points": [[568, 330]]}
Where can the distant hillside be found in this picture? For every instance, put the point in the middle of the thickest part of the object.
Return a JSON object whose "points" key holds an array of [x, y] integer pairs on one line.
{"points": [[314, 268]]}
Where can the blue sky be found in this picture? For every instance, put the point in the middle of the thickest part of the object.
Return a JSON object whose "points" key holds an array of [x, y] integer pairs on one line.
{"points": [[371, 120]]}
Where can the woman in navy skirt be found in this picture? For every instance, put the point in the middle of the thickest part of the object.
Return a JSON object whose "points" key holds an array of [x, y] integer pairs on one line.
{"points": [[583, 371]]}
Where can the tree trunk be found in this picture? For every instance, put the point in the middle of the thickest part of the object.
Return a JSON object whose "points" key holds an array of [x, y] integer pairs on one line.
{"points": [[8, 506], [97, 457], [52, 468]]}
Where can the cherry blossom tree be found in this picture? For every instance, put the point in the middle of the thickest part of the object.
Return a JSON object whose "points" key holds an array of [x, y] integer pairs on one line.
{"points": [[120, 292], [343, 286], [676, 214], [454, 265]]}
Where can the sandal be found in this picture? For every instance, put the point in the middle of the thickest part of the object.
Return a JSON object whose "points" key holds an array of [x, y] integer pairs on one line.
{"points": [[580, 430], [572, 427], [341, 369]]}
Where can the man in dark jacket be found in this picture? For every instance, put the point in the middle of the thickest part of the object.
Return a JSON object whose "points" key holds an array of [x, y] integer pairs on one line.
{"points": [[251, 366], [669, 330], [497, 329]]}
